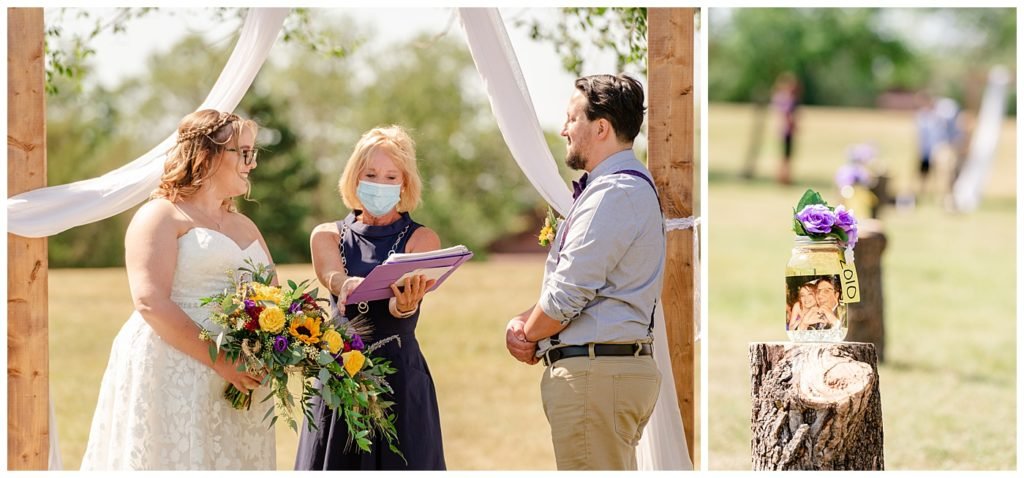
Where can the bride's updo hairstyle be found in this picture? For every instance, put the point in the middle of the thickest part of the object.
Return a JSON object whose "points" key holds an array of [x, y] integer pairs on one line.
{"points": [[202, 137]]}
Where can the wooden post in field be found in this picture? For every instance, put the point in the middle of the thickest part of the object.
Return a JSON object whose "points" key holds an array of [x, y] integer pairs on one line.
{"points": [[28, 391], [867, 317], [670, 134], [816, 406]]}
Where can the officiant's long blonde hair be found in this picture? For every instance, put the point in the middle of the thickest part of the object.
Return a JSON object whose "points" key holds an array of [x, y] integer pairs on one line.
{"points": [[202, 138]]}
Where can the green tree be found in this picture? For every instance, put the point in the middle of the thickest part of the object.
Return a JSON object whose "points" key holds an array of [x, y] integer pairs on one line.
{"points": [[283, 184], [839, 56], [621, 30], [473, 190]]}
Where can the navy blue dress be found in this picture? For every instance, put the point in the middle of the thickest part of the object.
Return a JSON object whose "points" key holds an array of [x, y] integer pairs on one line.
{"points": [[418, 423]]}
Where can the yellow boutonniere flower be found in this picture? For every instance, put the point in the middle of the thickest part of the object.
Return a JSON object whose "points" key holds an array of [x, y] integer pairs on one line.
{"points": [[353, 361], [306, 330], [332, 339], [272, 319], [547, 232]]}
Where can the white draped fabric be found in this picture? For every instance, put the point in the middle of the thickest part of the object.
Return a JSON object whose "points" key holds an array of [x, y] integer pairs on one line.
{"points": [[967, 189], [663, 446], [47, 211], [510, 100]]}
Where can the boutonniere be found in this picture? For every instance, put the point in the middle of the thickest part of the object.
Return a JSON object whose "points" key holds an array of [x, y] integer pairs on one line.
{"points": [[550, 228]]}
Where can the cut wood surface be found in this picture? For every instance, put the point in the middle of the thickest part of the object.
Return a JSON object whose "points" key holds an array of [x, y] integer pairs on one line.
{"points": [[816, 406]]}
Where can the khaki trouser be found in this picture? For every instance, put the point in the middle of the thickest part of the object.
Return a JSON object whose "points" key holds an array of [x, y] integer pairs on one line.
{"points": [[597, 408]]}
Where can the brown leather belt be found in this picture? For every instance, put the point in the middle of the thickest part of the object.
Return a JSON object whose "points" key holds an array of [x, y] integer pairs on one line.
{"points": [[600, 350]]}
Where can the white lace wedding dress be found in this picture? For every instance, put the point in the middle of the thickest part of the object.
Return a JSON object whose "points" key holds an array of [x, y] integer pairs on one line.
{"points": [[160, 409]]}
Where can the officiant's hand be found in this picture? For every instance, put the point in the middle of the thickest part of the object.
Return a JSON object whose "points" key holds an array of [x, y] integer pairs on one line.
{"points": [[515, 340], [347, 287], [408, 297]]}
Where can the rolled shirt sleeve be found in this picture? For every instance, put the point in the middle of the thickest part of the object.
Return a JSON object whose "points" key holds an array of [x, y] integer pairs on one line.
{"points": [[598, 235]]}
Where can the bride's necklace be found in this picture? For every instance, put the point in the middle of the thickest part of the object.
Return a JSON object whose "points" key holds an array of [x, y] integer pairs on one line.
{"points": [[208, 217]]}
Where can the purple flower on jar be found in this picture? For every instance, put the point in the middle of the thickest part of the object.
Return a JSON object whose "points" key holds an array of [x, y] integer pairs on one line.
{"points": [[816, 219], [357, 343], [280, 343], [845, 218], [848, 223]]}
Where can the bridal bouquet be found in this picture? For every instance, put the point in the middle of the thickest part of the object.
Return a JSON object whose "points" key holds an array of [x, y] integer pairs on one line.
{"points": [[277, 331]]}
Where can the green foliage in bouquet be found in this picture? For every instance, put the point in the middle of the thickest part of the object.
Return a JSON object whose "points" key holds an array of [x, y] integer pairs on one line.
{"points": [[278, 331]]}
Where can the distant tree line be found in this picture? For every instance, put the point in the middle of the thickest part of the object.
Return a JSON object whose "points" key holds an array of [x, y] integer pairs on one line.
{"points": [[848, 56], [311, 108]]}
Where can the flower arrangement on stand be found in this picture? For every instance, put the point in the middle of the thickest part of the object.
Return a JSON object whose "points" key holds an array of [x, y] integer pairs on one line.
{"points": [[275, 332]]}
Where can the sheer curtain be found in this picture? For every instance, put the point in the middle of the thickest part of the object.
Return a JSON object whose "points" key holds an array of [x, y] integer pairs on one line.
{"points": [[47, 211], [663, 446]]}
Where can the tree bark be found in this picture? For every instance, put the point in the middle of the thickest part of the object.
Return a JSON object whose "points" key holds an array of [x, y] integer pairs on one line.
{"points": [[867, 317], [816, 406]]}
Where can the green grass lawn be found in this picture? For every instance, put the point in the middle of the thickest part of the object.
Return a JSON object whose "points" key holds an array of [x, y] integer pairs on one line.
{"points": [[490, 406], [949, 381]]}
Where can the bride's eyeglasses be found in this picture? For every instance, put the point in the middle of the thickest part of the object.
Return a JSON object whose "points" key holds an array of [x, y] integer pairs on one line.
{"points": [[248, 155]]}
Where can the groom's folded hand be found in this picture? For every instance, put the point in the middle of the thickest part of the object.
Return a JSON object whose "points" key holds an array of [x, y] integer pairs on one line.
{"points": [[515, 340]]}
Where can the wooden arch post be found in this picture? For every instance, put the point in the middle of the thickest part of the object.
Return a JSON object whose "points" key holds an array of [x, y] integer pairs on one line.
{"points": [[28, 392], [670, 159]]}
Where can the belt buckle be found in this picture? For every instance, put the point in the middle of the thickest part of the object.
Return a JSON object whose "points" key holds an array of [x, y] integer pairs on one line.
{"points": [[547, 357], [638, 347]]}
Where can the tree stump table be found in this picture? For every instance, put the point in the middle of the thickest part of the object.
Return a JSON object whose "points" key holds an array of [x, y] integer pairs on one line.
{"points": [[867, 317], [816, 406]]}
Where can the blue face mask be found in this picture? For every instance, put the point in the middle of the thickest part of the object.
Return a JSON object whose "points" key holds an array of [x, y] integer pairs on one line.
{"points": [[378, 199]]}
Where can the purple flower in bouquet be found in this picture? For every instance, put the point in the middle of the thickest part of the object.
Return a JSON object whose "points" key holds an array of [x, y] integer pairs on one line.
{"points": [[252, 310], [280, 343], [295, 307], [816, 219], [357, 343]]}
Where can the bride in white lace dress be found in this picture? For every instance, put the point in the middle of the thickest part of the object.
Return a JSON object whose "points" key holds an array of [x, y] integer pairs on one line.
{"points": [[160, 404]]}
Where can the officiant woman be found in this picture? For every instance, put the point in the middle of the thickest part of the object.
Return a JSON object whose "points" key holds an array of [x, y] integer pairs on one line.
{"points": [[381, 186]]}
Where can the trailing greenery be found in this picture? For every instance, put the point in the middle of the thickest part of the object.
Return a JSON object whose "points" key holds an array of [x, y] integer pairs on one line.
{"points": [[621, 30]]}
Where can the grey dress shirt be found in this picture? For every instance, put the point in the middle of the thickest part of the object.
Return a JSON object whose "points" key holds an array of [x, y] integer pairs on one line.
{"points": [[605, 278]]}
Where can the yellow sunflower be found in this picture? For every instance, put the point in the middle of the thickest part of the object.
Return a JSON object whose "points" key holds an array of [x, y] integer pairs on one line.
{"points": [[306, 329]]}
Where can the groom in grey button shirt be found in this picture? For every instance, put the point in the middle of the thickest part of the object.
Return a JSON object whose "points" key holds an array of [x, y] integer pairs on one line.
{"points": [[592, 325]]}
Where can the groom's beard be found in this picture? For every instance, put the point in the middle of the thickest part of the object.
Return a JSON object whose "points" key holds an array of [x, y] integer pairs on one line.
{"points": [[575, 160]]}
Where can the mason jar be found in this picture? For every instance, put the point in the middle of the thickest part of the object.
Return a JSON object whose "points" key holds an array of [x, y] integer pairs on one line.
{"points": [[815, 310]]}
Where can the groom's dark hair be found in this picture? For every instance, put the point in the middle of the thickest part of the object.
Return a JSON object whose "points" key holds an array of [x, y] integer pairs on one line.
{"points": [[616, 98]]}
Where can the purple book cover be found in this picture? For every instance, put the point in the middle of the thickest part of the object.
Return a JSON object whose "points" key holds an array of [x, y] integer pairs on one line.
{"points": [[377, 284]]}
